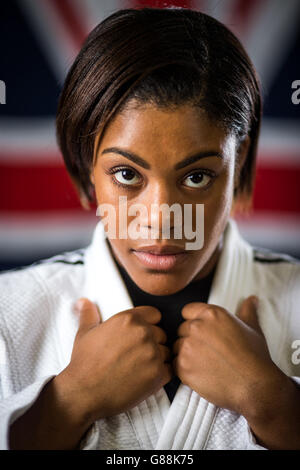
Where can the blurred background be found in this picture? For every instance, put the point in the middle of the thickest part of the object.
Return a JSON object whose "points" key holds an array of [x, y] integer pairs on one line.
{"points": [[40, 214]]}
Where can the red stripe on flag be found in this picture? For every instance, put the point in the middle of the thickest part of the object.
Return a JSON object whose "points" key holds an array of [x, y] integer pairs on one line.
{"points": [[71, 20], [25, 187], [277, 189], [36, 188], [240, 13], [159, 3]]}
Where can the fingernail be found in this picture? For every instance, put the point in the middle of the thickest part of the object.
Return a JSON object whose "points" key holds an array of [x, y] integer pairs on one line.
{"points": [[255, 300]]}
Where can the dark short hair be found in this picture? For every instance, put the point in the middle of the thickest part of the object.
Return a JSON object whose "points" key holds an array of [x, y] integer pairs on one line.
{"points": [[168, 57]]}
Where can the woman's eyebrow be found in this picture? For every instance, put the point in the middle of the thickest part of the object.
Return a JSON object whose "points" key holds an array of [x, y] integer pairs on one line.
{"points": [[131, 156], [194, 158], [183, 163]]}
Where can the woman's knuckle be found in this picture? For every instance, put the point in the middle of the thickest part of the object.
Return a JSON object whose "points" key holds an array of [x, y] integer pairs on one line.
{"points": [[211, 313], [127, 319], [151, 352], [183, 358], [142, 332], [194, 327]]}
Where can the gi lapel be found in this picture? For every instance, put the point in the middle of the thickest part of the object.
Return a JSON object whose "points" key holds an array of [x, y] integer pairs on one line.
{"points": [[185, 424], [105, 287], [191, 417]]}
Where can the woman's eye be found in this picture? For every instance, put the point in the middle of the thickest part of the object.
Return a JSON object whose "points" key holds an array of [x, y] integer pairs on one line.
{"points": [[197, 180], [126, 176]]}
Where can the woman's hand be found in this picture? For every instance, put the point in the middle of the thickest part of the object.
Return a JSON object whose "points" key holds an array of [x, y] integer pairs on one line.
{"points": [[118, 363], [114, 366], [218, 355], [225, 359]]}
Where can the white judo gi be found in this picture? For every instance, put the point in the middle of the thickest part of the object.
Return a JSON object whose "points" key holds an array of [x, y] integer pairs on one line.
{"points": [[38, 327]]}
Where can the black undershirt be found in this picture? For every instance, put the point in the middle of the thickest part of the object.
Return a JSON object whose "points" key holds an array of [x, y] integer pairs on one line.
{"points": [[170, 307]]}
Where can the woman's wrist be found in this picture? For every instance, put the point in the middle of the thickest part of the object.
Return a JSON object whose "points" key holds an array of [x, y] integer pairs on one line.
{"points": [[273, 411], [55, 420], [71, 401]]}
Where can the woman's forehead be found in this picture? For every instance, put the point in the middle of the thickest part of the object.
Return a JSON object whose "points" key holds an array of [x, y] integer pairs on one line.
{"points": [[172, 132]]}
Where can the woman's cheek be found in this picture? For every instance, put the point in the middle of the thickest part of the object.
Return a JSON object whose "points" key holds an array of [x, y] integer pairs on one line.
{"points": [[217, 208], [105, 193]]}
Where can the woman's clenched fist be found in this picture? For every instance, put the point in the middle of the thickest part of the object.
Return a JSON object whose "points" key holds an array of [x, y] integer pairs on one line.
{"points": [[118, 363]]}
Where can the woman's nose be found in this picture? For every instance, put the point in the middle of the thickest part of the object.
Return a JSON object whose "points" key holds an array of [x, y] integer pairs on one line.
{"points": [[163, 212]]}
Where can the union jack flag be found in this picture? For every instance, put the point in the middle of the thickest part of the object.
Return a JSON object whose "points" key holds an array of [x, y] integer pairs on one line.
{"points": [[40, 214]]}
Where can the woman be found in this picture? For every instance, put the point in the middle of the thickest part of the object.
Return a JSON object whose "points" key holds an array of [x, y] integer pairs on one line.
{"points": [[171, 345]]}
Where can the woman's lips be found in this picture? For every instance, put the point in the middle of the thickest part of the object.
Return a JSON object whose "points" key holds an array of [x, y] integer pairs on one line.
{"points": [[160, 261]]}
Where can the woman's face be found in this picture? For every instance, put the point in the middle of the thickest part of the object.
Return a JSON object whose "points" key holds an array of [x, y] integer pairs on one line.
{"points": [[144, 155]]}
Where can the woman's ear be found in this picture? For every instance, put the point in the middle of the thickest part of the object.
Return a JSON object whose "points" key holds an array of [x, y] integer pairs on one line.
{"points": [[241, 155], [241, 203], [84, 202]]}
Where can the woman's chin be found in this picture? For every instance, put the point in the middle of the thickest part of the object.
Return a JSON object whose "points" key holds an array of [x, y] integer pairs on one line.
{"points": [[156, 283]]}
